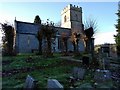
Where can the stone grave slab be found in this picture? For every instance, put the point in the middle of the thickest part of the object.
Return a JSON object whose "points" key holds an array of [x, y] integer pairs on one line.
{"points": [[75, 72], [30, 83], [53, 83], [78, 73]]}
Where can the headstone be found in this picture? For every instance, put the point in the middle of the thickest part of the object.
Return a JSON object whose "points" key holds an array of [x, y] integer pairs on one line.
{"points": [[53, 83], [75, 72], [30, 83], [102, 75], [78, 73], [106, 63], [85, 60]]}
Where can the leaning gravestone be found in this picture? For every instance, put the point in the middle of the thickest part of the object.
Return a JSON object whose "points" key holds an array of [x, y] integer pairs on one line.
{"points": [[78, 73], [30, 83], [53, 83], [101, 76]]}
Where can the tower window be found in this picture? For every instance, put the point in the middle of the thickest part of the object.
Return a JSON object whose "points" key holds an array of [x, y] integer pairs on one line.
{"points": [[65, 19], [76, 16]]}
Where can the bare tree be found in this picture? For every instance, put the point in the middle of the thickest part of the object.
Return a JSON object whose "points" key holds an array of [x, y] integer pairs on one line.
{"points": [[91, 27], [58, 24], [90, 22], [75, 39], [48, 32], [64, 37]]}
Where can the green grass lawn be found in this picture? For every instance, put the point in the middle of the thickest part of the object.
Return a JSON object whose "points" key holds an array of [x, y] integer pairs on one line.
{"points": [[42, 69]]}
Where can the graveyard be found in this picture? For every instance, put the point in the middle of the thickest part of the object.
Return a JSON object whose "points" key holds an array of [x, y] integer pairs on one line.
{"points": [[55, 72], [44, 55]]}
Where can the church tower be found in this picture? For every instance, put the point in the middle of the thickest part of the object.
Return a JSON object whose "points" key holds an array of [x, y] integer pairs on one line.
{"points": [[72, 18]]}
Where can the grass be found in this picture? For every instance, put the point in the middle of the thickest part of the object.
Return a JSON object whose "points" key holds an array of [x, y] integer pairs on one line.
{"points": [[43, 69], [50, 68]]}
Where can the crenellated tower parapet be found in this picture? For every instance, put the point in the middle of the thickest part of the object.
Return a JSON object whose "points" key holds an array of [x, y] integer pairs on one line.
{"points": [[71, 17]]}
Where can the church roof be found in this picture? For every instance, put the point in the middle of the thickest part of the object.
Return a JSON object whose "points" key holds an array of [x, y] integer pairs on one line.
{"points": [[26, 27], [32, 28], [63, 30]]}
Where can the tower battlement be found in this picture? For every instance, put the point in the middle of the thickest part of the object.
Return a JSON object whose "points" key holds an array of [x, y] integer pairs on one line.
{"points": [[71, 7], [71, 17]]}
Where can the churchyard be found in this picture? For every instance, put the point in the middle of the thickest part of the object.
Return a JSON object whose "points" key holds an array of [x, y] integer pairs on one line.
{"points": [[36, 71], [44, 55]]}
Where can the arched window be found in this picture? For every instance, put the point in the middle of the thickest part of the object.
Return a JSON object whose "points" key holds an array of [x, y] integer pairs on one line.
{"points": [[65, 18]]}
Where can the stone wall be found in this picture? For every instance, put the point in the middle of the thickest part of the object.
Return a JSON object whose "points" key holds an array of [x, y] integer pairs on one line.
{"points": [[26, 39], [25, 43]]}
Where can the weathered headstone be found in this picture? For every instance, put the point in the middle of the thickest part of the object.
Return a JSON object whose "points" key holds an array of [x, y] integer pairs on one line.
{"points": [[78, 73], [106, 63], [75, 72], [102, 75], [85, 60], [81, 73], [53, 83], [30, 83]]}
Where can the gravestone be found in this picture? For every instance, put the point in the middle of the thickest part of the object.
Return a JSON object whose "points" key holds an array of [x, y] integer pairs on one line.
{"points": [[53, 83], [85, 61], [106, 63], [75, 72], [30, 83], [78, 73], [102, 76]]}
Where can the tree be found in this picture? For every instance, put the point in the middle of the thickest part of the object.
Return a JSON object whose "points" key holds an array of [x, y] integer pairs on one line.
{"points": [[91, 23], [90, 26], [48, 33], [75, 39], [117, 37], [64, 37], [39, 37], [8, 39], [37, 20], [58, 24]]}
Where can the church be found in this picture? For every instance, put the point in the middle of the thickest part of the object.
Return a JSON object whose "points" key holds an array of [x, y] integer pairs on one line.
{"points": [[71, 21]]}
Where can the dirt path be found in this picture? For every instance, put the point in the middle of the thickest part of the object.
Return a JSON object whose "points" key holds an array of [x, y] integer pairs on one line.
{"points": [[70, 58], [11, 72]]}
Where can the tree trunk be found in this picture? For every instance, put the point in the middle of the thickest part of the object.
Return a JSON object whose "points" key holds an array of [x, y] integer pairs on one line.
{"points": [[66, 48], [118, 51], [49, 52], [40, 46], [74, 46]]}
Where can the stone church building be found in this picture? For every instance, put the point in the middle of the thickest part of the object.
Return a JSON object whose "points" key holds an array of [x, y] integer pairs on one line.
{"points": [[71, 21]]}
